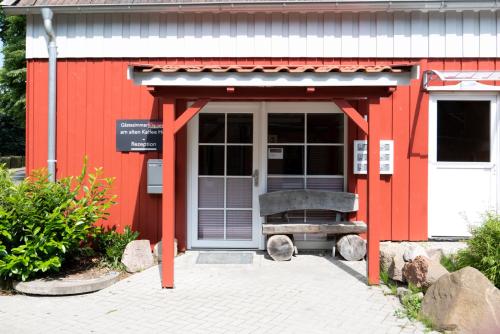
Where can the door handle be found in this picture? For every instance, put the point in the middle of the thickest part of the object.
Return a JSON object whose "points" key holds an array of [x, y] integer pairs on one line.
{"points": [[255, 176]]}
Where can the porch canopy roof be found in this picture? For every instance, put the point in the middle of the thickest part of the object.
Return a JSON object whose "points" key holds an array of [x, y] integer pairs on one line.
{"points": [[390, 75], [435, 80]]}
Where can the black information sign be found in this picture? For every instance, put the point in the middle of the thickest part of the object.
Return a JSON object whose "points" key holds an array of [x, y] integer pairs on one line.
{"points": [[138, 135]]}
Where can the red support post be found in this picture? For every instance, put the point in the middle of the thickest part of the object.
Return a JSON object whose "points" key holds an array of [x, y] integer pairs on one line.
{"points": [[168, 197], [373, 265]]}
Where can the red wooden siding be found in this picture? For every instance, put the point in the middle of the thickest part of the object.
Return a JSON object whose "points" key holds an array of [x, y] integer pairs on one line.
{"points": [[93, 94]]}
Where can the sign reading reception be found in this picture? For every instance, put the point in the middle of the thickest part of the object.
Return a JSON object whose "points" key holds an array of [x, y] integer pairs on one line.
{"points": [[138, 135]]}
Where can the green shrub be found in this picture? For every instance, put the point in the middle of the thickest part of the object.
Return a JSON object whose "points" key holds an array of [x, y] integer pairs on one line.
{"points": [[43, 223], [483, 251], [450, 263], [112, 244], [411, 306]]}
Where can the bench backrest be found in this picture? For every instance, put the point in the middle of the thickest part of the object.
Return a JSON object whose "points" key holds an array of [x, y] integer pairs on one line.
{"points": [[307, 199]]}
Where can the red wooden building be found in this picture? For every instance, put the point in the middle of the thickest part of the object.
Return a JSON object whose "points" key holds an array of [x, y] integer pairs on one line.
{"points": [[258, 96]]}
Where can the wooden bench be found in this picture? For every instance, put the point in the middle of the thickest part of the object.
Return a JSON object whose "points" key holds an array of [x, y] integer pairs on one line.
{"points": [[280, 234]]}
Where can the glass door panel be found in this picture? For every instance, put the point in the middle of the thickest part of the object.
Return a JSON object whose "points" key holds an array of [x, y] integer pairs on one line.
{"points": [[225, 183], [305, 151]]}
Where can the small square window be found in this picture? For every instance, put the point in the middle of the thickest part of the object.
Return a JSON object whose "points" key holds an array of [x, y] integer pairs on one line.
{"points": [[286, 128], [325, 160], [325, 128], [240, 128], [211, 160], [463, 131], [291, 163], [211, 128]]}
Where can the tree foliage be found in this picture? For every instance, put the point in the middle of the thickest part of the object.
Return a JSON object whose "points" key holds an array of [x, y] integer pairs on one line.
{"points": [[12, 84]]}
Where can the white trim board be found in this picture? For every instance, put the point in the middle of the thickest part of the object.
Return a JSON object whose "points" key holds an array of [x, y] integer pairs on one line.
{"points": [[271, 79], [415, 34]]}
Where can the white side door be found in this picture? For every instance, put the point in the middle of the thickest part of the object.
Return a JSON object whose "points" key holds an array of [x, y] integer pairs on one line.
{"points": [[223, 185], [463, 157]]}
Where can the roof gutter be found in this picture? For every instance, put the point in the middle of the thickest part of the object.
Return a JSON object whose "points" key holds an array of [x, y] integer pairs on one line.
{"points": [[270, 6]]}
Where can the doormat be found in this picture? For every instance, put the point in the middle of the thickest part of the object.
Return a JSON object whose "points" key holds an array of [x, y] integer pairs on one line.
{"points": [[224, 258]]}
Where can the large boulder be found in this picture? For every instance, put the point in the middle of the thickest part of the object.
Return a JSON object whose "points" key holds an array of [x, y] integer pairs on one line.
{"points": [[413, 251], [137, 256], [396, 269], [388, 250], [435, 254], [157, 250], [423, 272], [463, 302]]}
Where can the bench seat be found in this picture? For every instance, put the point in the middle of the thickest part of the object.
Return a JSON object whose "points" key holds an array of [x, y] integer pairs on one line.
{"points": [[342, 227]]}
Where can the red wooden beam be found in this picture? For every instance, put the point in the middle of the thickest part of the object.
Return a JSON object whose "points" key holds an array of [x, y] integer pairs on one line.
{"points": [[188, 114], [168, 197], [373, 265], [270, 93], [352, 113]]}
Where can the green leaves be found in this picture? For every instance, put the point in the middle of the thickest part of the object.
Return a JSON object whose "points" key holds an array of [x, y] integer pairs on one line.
{"points": [[43, 223], [483, 251], [112, 244]]}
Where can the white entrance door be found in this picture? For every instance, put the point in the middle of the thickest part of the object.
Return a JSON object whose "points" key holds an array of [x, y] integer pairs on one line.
{"points": [[224, 180], [463, 157]]}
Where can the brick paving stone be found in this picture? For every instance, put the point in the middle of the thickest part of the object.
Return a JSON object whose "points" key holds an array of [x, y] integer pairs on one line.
{"points": [[310, 294]]}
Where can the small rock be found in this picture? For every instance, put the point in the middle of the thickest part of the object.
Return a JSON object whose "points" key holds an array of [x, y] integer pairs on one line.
{"points": [[137, 256], [464, 301], [385, 289], [388, 250], [402, 291], [420, 295], [423, 272], [396, 269], [413, 251], [157, 252]]}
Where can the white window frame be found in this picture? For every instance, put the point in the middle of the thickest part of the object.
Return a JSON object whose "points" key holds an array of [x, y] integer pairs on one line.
{"points": [[463, 96]]}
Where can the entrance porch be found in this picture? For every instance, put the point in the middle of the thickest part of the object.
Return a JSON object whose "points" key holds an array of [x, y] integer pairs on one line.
{"points": [[231, 221]]}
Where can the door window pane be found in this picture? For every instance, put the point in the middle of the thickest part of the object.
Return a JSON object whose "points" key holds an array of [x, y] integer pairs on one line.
{"points": [[211, 128], [292, 162], [239, 192], [286, 128], [325, 160], [210, 224], [240, 128], [463, 131], [239, 225], [239, 160], [211, 192], [325, 128], [211, 160]]}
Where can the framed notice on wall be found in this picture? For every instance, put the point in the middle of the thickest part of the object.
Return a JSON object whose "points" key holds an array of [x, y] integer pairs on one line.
{"points": [[138, 135], [360, 160]]}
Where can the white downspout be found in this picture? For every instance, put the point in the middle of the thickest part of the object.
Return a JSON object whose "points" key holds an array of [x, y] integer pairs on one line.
{"points": [[47, 15]]}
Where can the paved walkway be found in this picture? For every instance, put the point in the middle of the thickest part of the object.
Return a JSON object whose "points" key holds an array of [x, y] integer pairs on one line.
{"points": [[310, 294]]}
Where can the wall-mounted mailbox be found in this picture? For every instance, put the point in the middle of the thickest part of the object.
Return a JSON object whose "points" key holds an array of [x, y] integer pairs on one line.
{"points": [[155, 176]]}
